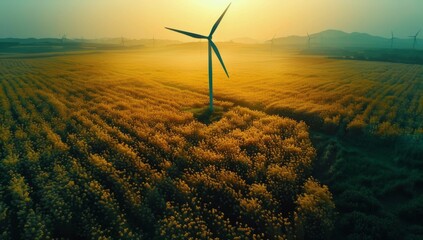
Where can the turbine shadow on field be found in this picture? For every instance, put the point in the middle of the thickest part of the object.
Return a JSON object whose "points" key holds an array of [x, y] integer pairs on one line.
{"points": [[206, 116]]}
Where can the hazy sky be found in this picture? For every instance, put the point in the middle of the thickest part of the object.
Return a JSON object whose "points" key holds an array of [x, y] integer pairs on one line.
{"points": [[259, 19]]}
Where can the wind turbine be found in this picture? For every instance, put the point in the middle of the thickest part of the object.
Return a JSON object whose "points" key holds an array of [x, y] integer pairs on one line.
{"points": [[309, 39], [63, 38], [122, 41], [392, 39], [415, 38], [211, 46], [272, 43]]}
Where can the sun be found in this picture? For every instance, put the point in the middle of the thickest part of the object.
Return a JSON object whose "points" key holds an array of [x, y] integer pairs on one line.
{"points": [[215, 4], [218, 2]]}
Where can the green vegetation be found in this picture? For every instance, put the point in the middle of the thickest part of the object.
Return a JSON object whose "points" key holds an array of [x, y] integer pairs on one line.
{"points": [[409, 56], [375, 188]]}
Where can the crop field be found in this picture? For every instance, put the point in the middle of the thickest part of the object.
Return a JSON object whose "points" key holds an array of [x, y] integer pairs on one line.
{"points": [[382, 99], [116, 145]]}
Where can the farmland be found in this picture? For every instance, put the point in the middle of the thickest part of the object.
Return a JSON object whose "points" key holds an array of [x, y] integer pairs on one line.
{"points": [[108, 143]]}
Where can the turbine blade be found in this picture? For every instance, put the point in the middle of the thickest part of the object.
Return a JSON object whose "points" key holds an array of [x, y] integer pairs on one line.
{"points": [[218, 21], [219, 57], [194, 35], [418, 33]]}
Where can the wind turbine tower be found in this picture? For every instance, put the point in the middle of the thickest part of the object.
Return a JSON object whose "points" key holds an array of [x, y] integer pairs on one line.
{"points": [[392, 39], [415, 39], [272, 43], [309, 40], [211, 47], [63, 39]]}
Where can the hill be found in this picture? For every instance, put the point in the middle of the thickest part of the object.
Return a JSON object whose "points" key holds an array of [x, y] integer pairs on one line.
{"points": [[340, 39]]}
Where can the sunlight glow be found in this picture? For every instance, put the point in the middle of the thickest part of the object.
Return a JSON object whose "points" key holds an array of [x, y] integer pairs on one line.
{"points": [[246, 18]]}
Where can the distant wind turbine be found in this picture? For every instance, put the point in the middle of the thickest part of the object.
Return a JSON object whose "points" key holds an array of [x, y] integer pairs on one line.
{"points": [[392, 39], [211, 46], [63, 38], [272, 43], [415, 38], [122, 41], [309, 39]]}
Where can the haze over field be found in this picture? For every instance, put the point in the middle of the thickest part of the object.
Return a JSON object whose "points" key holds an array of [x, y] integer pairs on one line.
{"points": [[249, 18]]}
